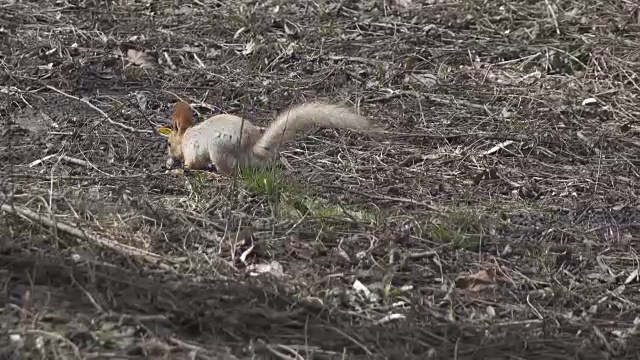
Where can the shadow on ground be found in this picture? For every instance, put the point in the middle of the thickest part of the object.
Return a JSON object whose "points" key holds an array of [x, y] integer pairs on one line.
{"points": [[220, 320]]}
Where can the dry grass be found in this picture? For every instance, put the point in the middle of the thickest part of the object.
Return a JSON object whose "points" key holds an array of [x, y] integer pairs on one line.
{"points": [[499, 218]]}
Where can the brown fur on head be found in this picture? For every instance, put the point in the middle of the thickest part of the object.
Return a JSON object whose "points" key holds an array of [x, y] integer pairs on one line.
{"points": [[181, 120]]}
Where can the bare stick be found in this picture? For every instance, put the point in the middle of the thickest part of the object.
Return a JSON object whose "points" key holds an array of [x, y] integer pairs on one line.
{"points": [[383, 197], [76, 161], [497, 147], [126, 127], [553, 16], [73, 231]]}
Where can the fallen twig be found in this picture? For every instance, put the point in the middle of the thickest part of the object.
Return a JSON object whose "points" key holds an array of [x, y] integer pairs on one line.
{"points": [[383, 197], [76, 161], [81, 178], [66, 158], [73, 231], [494, 149], [126, 127]]}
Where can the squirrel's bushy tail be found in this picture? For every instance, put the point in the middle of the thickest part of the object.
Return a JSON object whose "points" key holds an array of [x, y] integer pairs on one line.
{"points": [[305, 116]]}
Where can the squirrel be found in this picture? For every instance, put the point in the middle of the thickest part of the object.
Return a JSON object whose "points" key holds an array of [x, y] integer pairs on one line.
{"points": [[228, 141]]}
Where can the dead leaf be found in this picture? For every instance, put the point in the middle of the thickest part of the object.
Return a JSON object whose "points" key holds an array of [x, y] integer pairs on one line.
{"points": [[506, 114], [479, 281], [291, 49], [364, 291], [142, 101], [274, 268], [290, 29], [140, 58]]}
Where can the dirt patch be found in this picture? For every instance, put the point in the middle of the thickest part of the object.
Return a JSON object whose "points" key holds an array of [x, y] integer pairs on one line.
{"points": [[497, 218]]}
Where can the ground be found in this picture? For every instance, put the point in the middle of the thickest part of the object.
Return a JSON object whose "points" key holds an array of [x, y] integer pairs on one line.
{"points": [[497, 215]]}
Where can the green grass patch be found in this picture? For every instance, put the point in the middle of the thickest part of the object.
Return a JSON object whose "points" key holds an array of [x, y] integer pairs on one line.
{"points": [[268, 182], [322, 209], [200, 181], [290, 199], [464, 229]]}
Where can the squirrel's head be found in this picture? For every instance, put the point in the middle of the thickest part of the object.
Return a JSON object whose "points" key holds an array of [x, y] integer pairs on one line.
{"points": [[181, 120]]}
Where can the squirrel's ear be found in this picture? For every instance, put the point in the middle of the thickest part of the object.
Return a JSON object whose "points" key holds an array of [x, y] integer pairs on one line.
{"points": [[165, 131], [182, 118]]}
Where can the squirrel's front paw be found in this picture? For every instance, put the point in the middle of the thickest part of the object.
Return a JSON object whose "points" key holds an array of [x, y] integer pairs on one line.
{"points": [[211, 168]]}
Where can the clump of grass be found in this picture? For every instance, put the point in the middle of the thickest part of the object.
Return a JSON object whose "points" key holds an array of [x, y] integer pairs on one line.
{"points": [[324, 210], [199, 181], [288, 198], [268, 182], [541, 257], [464, 229], [294, 200]]}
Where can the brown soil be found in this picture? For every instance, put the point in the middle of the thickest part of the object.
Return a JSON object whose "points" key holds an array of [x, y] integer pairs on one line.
{"points": [[498, 217]]}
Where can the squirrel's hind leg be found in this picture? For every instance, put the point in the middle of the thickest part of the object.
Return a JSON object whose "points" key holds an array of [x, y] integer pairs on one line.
{"points": [[224, 163]]}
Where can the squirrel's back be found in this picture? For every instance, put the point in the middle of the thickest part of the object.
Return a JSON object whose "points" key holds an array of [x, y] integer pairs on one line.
{"points": [[228, 139], [220, 135]]}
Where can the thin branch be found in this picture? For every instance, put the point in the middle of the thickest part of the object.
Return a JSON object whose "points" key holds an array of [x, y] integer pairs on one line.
{"points": [[126, 127]]}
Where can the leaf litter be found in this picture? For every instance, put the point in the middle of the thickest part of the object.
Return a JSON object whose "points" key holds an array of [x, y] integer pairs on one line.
{"points": [[497, 219]]}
